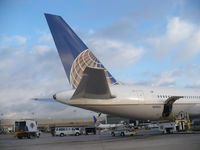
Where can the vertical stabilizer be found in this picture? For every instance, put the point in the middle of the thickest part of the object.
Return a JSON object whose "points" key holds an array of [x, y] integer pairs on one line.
{"points": [[74, 54]]}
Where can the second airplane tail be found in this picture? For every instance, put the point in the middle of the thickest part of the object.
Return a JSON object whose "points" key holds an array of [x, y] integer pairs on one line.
{"points": [[74, 54], [96, 122]]}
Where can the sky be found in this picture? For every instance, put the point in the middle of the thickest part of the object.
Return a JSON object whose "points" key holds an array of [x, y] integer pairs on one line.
{"points": [[141, 42]]}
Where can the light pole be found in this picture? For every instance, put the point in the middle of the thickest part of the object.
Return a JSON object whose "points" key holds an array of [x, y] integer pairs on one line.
{"points": [[33, 115]]}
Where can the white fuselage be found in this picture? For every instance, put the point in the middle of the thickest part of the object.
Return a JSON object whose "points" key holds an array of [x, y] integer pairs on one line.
{"points": [[108, 126], [137, 102]]}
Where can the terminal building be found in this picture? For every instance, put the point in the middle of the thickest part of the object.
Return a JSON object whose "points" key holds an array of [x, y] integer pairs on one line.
{"points": [[45, 125]]}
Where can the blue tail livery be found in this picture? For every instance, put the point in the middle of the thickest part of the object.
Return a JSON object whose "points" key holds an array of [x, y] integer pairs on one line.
{"points": [[74, 54], [94, 119]]}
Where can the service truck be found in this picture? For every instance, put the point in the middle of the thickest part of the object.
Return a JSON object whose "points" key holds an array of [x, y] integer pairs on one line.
{"points": [[26, 129], [123, 132]]}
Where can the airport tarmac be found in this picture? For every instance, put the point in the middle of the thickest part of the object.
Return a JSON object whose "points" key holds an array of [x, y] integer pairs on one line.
{"points": [[103, 142]]}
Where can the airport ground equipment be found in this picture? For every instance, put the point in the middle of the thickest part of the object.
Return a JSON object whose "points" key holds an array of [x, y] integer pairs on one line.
{"points": [[167, 127], [123, 132], [90, 130], [182, 121], [179, 123], [26, 129], [195, 125]]}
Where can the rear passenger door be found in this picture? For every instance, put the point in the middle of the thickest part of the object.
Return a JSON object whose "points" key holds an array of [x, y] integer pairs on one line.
{"points": [[67, 130]]}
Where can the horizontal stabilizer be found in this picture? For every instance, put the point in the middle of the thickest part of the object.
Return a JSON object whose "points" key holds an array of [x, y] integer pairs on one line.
{"points": [[93, 85], [44, 99]]}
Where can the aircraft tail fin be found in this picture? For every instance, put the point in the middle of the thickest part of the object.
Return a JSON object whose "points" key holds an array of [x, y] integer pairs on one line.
{"points": [[94, 119], [74, 54], [96, 122]]}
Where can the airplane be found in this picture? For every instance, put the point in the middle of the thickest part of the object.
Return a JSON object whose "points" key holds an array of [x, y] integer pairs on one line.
{"points": [[95, 89]]}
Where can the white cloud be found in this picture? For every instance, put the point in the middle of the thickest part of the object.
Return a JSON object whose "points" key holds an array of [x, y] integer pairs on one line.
{"points": [[45, 37], [31, 72], [165, 79], [17, 39], [41, 49], [181, 37], [179, 30], [37, 71], [91, 32], [114, 53], [186, 76], [20, 39]]}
